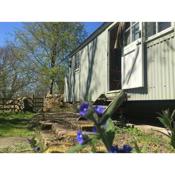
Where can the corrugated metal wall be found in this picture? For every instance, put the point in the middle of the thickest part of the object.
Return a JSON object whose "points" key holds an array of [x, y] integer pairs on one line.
{"points": [[92, 77], [159, 70], [90, 80], [93, 68]]}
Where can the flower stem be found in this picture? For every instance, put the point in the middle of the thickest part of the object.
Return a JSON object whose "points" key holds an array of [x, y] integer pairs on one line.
{"points": [[104, 139]]}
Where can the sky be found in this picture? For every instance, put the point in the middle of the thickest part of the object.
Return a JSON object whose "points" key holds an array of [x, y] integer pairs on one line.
{"points": [[7, 29]]}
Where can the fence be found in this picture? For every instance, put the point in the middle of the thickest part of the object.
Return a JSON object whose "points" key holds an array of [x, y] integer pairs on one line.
{"points": [[19, 105], [38, 103]]}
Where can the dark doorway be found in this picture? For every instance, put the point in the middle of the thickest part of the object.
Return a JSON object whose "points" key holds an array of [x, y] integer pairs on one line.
{"points": [[114, 61]]}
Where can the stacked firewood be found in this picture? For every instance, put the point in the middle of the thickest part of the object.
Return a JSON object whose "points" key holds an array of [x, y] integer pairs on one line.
{"points": [[17, 105], [53, 101]]}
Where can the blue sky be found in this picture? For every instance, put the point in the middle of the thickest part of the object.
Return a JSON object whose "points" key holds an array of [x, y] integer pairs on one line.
{"points": [[7, 29]]}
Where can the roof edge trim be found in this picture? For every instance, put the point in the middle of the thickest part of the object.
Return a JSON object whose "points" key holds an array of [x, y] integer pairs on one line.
{"points": [[98, 31]]}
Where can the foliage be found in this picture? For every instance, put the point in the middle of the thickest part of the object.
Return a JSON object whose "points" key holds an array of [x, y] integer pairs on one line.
{"points": [[34, 144], [104, 127], [15, 76], [149, 142], [46, 46], [167, 119]]}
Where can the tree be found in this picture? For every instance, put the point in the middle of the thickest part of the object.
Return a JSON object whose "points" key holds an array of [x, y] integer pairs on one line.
{"points": [[46, 45], [14, 74]]}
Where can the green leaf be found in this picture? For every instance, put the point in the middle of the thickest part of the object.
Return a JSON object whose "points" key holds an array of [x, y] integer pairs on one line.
{"points": [[173, 115], [163, 133], [138, 150], [107, 133], [110, 131], [93, 139], [166, 120], [76, 148], [91, 115]]}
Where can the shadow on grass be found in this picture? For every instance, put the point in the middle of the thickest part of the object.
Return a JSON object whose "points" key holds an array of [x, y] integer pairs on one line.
{"points": [[15, 125], [15, 121]]}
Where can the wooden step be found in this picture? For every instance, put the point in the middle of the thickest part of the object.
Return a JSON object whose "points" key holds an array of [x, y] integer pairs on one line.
{"points": [[112, 100], [45, 125], [107, 97]]}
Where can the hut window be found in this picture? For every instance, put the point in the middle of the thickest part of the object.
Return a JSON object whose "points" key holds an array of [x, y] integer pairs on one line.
{"points": [[135, 31], [150, 28], [77, 61], [132, 32], [163, 26], [127, 34], [154, 27], [70, 64]]}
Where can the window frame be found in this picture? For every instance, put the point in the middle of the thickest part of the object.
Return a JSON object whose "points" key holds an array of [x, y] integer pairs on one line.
{"points": [[158, 34], [130, 29], [76, 62]]}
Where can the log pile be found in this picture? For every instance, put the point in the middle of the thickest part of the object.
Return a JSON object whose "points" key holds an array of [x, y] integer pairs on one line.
{"points": [[55, 103], [21, 104]]}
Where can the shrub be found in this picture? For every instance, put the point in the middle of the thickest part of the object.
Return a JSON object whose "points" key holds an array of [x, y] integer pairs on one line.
{"points": [[167, 119]]}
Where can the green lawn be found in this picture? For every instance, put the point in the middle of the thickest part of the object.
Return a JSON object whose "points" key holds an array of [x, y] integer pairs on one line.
{"points": [[148, 142], [17, 125], [12, 124]]}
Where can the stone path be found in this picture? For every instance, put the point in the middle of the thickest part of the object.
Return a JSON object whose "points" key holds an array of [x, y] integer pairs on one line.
{"points": [[14, 144]]}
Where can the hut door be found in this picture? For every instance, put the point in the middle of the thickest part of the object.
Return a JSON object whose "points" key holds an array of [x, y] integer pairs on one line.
{"points": [[132, 57], [114, 61]]}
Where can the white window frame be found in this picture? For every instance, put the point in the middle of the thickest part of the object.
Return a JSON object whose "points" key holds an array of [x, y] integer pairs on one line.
{"points": [[77, 60], [131, 34], [158, 34]]}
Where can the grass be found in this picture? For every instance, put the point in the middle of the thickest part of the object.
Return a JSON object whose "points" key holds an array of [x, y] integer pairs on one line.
{"points": [[148, 142], [152, 142], [15, 124]]}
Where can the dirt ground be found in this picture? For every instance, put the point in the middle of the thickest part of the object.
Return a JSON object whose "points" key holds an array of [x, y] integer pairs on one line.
{"points": [[14, 144]]}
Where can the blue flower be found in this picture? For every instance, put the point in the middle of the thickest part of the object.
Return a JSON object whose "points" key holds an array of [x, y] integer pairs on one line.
{"points": [[114, 149], [84, 108], [80, 138], [127, 148], [94, 129], [99, 110]]}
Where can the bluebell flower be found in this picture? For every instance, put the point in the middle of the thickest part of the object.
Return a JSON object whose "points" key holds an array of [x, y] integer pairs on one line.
{"points": [[114, 149], [127, 148], [120, 150], [80, 138], [99, 109], [94, 129], [84, 108]]}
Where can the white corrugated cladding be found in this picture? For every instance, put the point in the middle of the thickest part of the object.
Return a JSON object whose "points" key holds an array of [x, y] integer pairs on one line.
{"points": [[159, 70]]}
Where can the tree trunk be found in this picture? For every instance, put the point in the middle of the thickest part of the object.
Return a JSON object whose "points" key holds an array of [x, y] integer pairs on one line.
{"points": [[53, 60], [51, 86]]}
